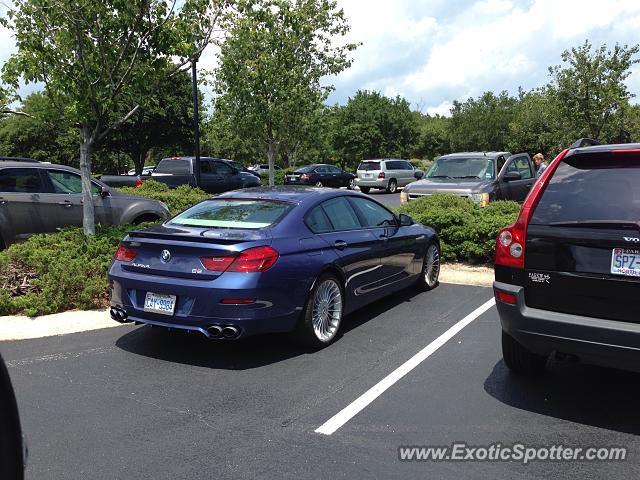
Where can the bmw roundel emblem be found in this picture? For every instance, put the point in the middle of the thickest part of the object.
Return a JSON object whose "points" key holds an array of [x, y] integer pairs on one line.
{"points": [[165, 256]]}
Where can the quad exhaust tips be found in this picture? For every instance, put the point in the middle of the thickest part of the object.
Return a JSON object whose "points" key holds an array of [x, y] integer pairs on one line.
{"points": [[119, 315], [227, 332]]}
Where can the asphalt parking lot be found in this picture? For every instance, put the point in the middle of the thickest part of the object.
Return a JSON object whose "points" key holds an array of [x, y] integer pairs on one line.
{"points": [[391, 200], [136, 402]]}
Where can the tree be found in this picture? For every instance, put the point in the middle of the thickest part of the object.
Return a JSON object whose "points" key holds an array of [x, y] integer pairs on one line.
{"points": [[591, 89], [433, 136], [271, 65], [97, 59], [374, 126], [165, 122]]}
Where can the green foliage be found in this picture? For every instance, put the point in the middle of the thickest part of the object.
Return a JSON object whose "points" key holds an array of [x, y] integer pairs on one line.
{"points": [[70, 271], [433, 136], [467, 231], [374, 126], [176, 199]]}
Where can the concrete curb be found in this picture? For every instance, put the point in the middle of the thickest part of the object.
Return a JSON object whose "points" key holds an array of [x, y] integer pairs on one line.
{"points": [[23, 328]]}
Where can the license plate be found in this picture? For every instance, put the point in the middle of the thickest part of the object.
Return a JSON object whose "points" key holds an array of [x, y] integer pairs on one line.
{"points": [[368, 175], [625, 261], [159, 303], [293, 179]]}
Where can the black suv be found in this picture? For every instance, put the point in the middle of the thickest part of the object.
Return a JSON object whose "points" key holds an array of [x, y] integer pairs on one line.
{"points": [[568, 271]]}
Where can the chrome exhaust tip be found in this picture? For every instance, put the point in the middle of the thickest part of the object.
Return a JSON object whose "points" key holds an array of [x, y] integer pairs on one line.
{"points": [[214, 331], [229, 332]]}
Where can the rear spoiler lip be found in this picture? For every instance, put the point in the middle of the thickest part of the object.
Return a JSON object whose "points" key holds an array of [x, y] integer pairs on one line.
{"points": [[190, 237]]}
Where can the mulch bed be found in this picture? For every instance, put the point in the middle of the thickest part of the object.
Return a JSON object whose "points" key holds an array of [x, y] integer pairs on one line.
{"points": [[18, 280]]}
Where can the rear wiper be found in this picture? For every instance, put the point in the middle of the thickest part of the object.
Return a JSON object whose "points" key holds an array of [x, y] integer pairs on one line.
{"points": [[597, 224]]}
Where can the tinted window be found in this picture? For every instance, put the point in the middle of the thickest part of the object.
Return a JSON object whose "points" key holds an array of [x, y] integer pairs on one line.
{"points": [[231, 213], [174, 166], [394, 165], [317, 221], [520, 165], [369, 166], [22, 180], [462, 167], [373, 214], [406, 166], [333, 169], [221, 168], [321, 170], [597, 187], [341, 214], [205, 166], [68, 182], [305, 169]]}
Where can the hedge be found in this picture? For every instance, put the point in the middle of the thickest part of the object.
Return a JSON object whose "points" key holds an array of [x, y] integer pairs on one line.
{"points": [[467, 231]]}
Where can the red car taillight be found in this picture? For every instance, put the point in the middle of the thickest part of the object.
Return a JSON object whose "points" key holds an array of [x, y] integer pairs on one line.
{"points": [[305, 176], [381, 176], [510, 244], [259, 259], [125, 254], [139, 183]]}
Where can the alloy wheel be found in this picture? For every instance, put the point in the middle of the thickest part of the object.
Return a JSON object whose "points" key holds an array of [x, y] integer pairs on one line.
{"points": [[327, 310]]}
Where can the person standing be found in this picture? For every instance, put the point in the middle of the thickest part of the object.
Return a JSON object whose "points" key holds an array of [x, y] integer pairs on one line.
{"points": [[541, 166]]}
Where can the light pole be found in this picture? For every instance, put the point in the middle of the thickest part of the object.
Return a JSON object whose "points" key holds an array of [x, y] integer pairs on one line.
{"points": [[196, 121]]}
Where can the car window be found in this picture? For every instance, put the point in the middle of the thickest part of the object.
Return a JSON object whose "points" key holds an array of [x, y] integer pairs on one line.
{"points": [[333, 169], [205, 166], [175, 166], [394, 165], [369, 166], [373, 214], [233, 213], [594, 188], [21, 180], [317, 221], [524, 167], [341, 214], [462, 167], [69, 182], [220, 168], [322, 170]]}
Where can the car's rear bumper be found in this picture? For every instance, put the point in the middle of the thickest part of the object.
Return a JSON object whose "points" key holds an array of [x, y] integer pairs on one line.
{"points": [[595, 341], [276, 307], [371, 183]]}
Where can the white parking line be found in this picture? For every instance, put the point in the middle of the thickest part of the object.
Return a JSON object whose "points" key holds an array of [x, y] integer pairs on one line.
{"points": [[359, 404]]}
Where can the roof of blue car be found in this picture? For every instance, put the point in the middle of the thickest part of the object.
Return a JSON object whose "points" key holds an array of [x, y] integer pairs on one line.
{"points": [[288, 193]]}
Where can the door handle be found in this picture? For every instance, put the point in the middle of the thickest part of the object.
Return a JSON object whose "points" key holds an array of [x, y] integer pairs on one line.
{"points": [[529, 185], [65, 204], [384, 237], [340, 244], [3, 201]]}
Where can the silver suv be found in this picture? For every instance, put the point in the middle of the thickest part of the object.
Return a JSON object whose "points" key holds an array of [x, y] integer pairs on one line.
{"points": [[40, 198], [384, 174]]}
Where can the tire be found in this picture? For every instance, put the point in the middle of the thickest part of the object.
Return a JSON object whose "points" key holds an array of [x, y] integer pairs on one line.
{"points": [[520, 360], [322, 316], [365, 189], [319, 184], [428, 279], [392, 187], [352, 184]]}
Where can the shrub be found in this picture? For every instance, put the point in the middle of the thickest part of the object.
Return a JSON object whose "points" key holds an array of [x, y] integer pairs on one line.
{"points": [[177, 199], [57, 272], [467, 231]]}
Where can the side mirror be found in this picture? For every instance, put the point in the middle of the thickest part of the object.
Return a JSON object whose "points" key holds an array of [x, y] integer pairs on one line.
{"points": [[104, 192], [512, 176], [418, 174], [406, 220]]}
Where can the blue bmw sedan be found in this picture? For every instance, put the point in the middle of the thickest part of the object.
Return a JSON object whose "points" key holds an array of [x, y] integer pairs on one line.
{"points": [[280, 259]]}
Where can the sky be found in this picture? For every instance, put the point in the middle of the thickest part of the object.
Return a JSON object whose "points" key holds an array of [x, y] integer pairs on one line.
{"points": [[433, 52]]}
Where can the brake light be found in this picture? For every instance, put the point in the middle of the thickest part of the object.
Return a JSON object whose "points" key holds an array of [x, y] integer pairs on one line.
{"points": [[258, 259], [381, 176], [139, 182], [626, 150], [305, 176], [510, 244], [506, 298], [125, 254], [237, 301]]}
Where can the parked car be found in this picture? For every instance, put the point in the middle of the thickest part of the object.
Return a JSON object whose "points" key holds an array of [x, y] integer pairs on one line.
{"points": [[40, 198], [263, 169], [385, 174], [567, 272], [241, 168], [147, 170], [479, 176], [280, 259], [216, 175], [13, 451], [321, 175]]}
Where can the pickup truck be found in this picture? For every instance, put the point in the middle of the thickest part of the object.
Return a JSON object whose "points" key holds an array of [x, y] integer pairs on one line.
{"points": [[480, 176], [216, 175]]}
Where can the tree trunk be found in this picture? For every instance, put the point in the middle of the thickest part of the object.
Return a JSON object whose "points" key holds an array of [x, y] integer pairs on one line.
{"points": [[88, 211], [138, 161], [273, 153]]}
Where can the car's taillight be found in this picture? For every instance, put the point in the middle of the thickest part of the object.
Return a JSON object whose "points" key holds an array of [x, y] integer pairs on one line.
{"points": [[125, 254], [258, 259], [139, 182], [305, 176], [381, 176], [509, 298], [510, 244]]}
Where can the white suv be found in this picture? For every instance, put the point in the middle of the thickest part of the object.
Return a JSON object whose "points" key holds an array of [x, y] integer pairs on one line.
{"points": [[387, 174]]}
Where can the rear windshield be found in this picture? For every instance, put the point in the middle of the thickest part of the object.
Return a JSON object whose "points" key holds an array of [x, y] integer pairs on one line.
{"points": [[232, 213], [462, 167], [597, 187], [308, 169], [174, 166], [369, 166]]}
